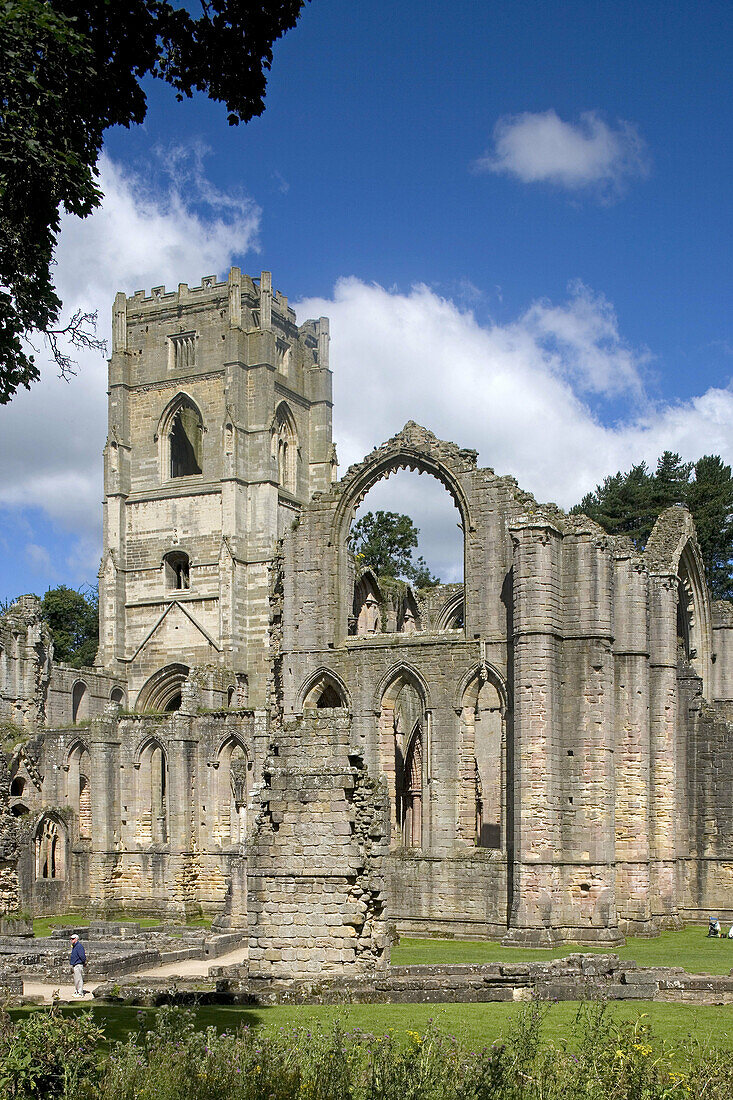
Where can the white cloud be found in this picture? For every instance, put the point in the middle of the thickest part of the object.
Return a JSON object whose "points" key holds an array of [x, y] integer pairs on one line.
{"points": [[515, 392], [39, 559], [51, 438], [541, 147]]}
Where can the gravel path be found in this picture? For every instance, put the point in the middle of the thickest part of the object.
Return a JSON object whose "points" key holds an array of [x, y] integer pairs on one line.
{"points": [[186, 968]]}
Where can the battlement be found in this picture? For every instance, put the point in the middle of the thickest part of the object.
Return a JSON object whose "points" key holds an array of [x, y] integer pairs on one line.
{"points": [[211, 289]]}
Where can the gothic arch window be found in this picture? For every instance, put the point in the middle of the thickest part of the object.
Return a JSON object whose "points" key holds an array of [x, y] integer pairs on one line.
{"points": [[152, 795], [402, 720], [450, 616], [285, 448], [78, 789], [79, 702], [50, 849], [117, 695], [412, 787], [180, 436], [325, 691], [232, 792], [177, 571], [408, 616], [366, 615]]}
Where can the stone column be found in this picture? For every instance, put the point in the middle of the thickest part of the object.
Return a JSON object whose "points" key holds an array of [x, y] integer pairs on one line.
{"points": [[182, 797], [662, 765], [631, 656], [535, 844], [104, 754], [587, 908]]}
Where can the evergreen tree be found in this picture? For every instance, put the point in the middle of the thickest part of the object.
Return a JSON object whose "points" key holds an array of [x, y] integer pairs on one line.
{"points": [[710, 499], [629, 504]]}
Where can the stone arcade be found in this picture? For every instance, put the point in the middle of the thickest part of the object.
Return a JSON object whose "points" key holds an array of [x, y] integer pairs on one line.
{"points": [[543, 753]]}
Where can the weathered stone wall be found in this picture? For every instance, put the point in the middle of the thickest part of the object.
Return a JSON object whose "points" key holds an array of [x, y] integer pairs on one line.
{"points": [[25, 663], [464, 894], [315, 876]]}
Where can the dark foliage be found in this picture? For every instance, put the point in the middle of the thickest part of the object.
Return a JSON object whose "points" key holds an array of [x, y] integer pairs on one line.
{"points": [[69, 69], [629, 504], [384, 542], [73, 617]]}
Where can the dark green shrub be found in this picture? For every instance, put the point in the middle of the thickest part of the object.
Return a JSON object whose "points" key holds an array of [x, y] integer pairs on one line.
{"points": [[47, 1055]]}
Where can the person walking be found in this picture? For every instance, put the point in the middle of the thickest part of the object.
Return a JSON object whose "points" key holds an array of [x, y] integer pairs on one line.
{"points": [[77, 961]]}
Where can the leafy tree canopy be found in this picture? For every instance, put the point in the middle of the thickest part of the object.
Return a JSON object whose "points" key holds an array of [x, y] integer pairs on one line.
{"points": [[69, 69], [73, 617], [384, 542], [629, 503]]}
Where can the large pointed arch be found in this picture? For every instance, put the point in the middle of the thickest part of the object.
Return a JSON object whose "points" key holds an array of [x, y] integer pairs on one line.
{"points": [[414, 448], [389, 686]]}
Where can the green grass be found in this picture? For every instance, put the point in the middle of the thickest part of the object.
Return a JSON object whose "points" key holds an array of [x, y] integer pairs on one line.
{"points": [[689, 948], [42, 926], [475, 1025]]}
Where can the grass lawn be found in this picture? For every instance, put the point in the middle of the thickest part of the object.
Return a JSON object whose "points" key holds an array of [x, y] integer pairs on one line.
{"points": [[475, 1025], [42, 926], [690, 949]]}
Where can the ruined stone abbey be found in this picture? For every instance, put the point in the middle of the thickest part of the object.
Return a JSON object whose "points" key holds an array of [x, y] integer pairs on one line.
{"points": [[543, 753]]}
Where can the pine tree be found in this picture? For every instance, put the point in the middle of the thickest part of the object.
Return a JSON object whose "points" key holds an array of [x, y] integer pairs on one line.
{"points": [[630, 503]]}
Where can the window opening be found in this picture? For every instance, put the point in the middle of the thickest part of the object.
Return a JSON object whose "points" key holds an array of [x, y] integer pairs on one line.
{"points": [[480, 812], [184, 351], [153, 801], [177, 571], [329, 698], [79, 702], [185, 436], [412, 792], [285, 449], [406, 538]]}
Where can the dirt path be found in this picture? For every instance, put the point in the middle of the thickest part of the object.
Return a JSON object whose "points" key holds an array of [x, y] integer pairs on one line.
{"points": [[185, 968]]}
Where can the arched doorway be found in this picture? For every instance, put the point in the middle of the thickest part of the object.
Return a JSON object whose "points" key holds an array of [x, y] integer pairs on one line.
{"points": [[162, 692]]}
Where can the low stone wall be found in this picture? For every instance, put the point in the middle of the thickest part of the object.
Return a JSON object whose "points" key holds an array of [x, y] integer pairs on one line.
{"points": [[113, 951], [577, 977]]}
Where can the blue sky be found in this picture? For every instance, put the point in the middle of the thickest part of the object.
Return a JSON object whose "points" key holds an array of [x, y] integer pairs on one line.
{"points": [[517, 217]]}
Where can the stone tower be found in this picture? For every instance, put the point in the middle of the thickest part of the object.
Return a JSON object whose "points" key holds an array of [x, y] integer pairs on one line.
{"points": [[219, 431]]}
